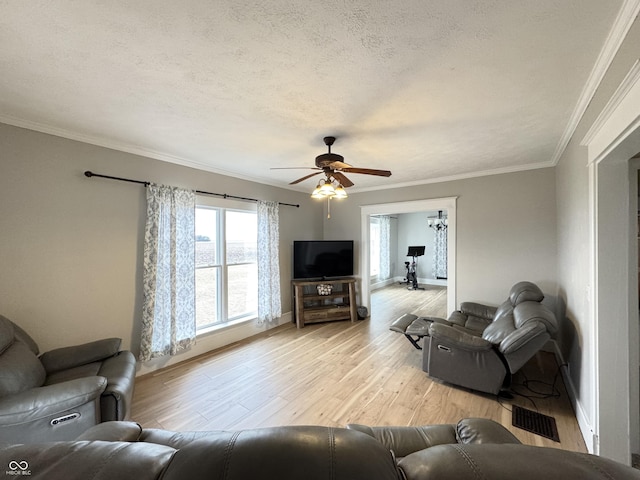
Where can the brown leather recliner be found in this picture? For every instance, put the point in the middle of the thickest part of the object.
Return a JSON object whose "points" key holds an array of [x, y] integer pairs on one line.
{"points": [[480, 347], [63, 392]]}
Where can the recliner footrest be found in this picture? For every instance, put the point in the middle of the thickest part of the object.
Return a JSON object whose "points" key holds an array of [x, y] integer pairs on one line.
{"points": [[401, 324], [411, 326]]}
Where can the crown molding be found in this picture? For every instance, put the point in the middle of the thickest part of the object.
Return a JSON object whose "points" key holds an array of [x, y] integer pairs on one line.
{"points": [[623, 22], [124, 147], [618, 118], [451, 178], [627, 84], [147, 153]]}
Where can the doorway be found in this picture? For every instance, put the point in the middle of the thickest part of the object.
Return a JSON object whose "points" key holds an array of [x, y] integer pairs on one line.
{"points": [[615, 355], [447, 204]]}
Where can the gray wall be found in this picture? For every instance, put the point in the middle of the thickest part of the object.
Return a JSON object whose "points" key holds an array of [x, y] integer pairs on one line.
{"points": [[574, 278], [506, 229], [70, 247]]}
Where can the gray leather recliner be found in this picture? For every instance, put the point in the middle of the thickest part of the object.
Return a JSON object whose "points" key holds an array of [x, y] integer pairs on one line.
{"points": [[480, 347], [63, 392]]}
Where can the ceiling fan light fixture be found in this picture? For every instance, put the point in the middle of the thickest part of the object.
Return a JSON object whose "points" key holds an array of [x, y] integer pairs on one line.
{"points": [[327, 189], [316, 192], [340, 192]]}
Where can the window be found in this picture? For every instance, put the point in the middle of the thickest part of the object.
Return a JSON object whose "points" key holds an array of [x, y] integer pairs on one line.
{"points": [[226, 265]]}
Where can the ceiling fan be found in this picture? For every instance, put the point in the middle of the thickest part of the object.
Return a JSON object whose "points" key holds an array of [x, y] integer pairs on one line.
{"points": [[334, 166]]}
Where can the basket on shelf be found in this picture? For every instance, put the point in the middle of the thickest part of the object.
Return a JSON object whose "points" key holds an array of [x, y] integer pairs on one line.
{"points": [[324, 289]]}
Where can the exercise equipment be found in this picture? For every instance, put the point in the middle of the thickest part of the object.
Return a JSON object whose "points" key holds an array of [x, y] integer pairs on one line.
{"points": [[412, 267]]}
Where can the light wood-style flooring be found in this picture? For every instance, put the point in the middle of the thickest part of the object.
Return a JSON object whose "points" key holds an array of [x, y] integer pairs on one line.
{"points": [[337, 373]]}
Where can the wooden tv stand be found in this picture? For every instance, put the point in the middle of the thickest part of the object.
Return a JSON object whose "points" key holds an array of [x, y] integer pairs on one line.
{"points": [[310, 307]]}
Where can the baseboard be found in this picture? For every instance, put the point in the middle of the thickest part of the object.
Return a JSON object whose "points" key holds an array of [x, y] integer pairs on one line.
{"points": [[586, 429], [433, 281], [375, 285], [423, 281]]}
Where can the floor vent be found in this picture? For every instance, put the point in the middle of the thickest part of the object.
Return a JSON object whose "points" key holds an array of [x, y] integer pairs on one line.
{"points": [[535, 422]]}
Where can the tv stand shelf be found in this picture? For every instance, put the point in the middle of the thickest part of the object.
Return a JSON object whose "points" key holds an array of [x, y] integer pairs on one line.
{"points": [[310, 307]]}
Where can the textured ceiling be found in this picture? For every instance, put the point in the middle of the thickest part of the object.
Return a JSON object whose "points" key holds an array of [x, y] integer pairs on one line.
{"points": [[428, 89]]}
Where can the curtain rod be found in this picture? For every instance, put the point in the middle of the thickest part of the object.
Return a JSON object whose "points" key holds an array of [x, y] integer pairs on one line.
{"points": [[90, 174]]}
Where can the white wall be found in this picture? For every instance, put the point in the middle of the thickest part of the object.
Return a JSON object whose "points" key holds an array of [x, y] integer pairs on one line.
{"points": [[70, 247], [414, 230]]}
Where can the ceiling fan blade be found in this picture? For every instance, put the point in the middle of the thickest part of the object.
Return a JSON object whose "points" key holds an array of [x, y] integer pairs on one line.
{"points": [[295, 168], [368, 171], [304, 178], [339, 165], [344, 181]]}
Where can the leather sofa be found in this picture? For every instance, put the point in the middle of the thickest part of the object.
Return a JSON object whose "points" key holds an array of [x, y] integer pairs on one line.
{"points": [[63, 392], [472, 449]]}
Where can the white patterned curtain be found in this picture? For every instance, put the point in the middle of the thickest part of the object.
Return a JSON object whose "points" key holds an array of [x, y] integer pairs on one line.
{"points": [[168, 316], [269, 305], [385, 247], [440, 253]]}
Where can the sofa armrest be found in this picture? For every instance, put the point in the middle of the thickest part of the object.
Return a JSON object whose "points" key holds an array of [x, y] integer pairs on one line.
{"points": [[452, 337], [478, 310], [69, 357], [120, 371], [112, 432], [49, 400]]}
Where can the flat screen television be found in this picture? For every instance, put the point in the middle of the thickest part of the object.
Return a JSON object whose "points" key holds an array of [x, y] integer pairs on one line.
{"points": [[320, 259]]}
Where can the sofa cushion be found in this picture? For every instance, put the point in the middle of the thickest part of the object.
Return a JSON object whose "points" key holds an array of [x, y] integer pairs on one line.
{"points": [[87, 460], [6, 334], [69, 357], [505, 308], [20, 369], [25, 338], [507, 462], [19, 334], [499, 329], [530, 312], [284, 453], [90, 370]]}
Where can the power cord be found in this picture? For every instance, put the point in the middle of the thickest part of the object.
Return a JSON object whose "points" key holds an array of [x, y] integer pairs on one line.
{"points": [[532, 393]]}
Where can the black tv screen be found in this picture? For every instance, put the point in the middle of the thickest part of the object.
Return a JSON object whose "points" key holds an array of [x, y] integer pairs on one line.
{"points": [[319, 259]]}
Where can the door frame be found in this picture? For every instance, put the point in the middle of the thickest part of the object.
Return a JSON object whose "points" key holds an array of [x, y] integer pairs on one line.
{"points": [[612, 141], [445, 203]]}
